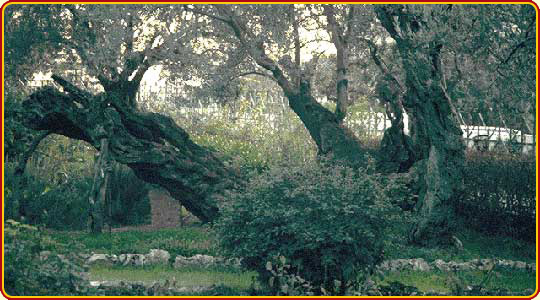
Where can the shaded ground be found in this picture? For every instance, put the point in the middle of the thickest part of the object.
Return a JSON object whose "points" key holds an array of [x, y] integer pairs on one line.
{"points": [[165, 212]]}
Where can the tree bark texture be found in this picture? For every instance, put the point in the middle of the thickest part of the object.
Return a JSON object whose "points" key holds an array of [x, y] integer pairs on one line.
{"points": [[98, 193], [340, 38], [332, 138], [396, 152], [435, 131], [157, 149]]}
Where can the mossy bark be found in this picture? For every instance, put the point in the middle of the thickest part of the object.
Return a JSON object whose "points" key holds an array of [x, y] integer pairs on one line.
{"points": [[435, 132], [437, 141], [157, 149]]}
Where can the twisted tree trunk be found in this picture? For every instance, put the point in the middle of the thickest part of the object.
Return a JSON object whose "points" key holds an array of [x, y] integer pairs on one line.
{"points": [[157, 149], [435, 131]]}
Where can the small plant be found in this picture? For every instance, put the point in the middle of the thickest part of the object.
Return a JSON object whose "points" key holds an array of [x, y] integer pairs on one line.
{"points": [[283, 282], [327, 220], [396, 288], [29, 271]]}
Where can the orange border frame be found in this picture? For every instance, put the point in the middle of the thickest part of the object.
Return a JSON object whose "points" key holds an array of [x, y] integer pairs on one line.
{"points": [[3, 7]]}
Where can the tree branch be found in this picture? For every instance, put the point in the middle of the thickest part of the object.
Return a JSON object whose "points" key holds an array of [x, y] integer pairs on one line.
{"points": [[72, 89], [256, 51], [200, 12], [379, 62], [19, 170]]}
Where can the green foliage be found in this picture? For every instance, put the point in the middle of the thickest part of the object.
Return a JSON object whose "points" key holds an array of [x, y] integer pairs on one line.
{"points": [[500, 194], [476, 245], [29, 272], [282, 282], [396, 288], [57, 206], [328, 221], [186, 277], [32, 32], [16, 135], [62, 204]]}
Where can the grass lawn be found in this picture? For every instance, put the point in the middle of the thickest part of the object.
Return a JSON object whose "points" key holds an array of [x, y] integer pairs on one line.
{"points": [[442, 282], [186, 241], [475, 245], [187, 277]]}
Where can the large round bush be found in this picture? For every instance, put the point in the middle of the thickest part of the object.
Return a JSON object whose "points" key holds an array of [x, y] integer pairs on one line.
{"points": [[328, 222]]}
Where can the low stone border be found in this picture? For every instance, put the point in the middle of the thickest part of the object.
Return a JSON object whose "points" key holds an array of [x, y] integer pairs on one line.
{"points": [[157, 256], [161, 257], [419, 264], [154, 257]]}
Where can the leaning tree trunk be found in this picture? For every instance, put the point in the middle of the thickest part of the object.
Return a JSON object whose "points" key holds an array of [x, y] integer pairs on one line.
{"points": [[435, 131], [125, 92], [332, 138], [325, 128], [21, 166], [157, 149]]}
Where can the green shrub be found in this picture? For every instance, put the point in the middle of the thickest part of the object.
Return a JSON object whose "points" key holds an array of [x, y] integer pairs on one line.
{"points": [[64, 205], [57, 206], [30, 272], [500, 194], [327, 221]]}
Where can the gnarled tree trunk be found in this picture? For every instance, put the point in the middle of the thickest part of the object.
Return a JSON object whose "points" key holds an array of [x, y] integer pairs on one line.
{"points": [[435, 132], [98, 193], [157, 149]]}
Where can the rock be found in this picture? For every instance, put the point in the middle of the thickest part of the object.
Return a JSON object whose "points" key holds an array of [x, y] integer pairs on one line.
{"points": [[520, 265], [486, 264], [102, 259], [505, 263], [441, 265], [205, 260], [465, 266], [158, 257], [233, 262], [420, 264], [132, 259], [181, 261], [196, 260]]}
